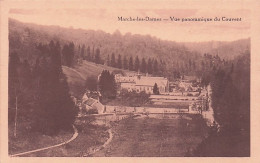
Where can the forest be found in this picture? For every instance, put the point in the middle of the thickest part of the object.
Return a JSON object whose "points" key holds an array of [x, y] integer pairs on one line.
{"points": [[100, 46], [231, 104], [39, 94]]}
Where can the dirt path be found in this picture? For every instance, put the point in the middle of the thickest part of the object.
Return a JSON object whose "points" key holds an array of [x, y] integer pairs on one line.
{"points": [[96, 149], [75, 135], [109, 139]]}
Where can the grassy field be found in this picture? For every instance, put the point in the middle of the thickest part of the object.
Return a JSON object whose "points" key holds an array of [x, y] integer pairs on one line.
{"points": [[171, 135], [153, 137], [26, 140]]}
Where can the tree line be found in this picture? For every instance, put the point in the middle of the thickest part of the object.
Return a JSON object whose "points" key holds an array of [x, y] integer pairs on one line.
{"points": [[143, 65], [39, 93], [133, 64], [150, 65], [67, 53], [92, 55], [231, 95], [177, 59], [230, 83]]}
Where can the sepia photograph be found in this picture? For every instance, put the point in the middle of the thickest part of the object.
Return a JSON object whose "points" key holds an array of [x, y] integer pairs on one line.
{"points": [[90, 79]]}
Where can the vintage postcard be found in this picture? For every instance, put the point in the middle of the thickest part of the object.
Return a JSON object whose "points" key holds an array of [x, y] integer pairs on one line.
{"points": [[163, 81]]}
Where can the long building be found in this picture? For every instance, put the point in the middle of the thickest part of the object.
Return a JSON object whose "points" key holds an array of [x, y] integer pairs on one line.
{"points": [[140, 83]]}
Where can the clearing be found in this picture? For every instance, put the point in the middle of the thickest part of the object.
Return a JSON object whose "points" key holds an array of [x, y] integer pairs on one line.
{"points": [[156, 136]]}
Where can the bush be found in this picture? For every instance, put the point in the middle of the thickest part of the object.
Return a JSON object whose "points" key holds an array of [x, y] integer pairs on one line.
{"points": [[133, 98]]}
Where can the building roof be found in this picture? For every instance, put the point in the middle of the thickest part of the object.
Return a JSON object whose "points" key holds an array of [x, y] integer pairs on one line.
{"points": [[150, 81], [90, 101]]}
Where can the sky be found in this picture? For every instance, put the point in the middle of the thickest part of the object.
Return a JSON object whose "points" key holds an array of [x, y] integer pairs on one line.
{"points": [[104, 16]]}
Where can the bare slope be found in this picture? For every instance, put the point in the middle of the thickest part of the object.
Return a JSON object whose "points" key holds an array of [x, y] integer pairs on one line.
{"points": [[75, 81], [88, 69], [76, 76]]}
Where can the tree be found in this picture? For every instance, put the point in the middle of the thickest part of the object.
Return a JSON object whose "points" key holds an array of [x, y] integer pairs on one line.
{"points": [[25, 73], [131, 65], [13, 87], [125, 63], [36, 68], [56, 57], [67, 53], [107, 84], [150, 66], [137, 64], [82, 52], [88, 54], [190, 65], [54, 108], [156, 89], [91, 83], [71, 54], [79, 51], [232, 68], [113, 60], [97, 56], [19, 90], [161, 68], [155, 67], [143, 66], [202, 65], [177, 75], [119, 62], [108, 60]]}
